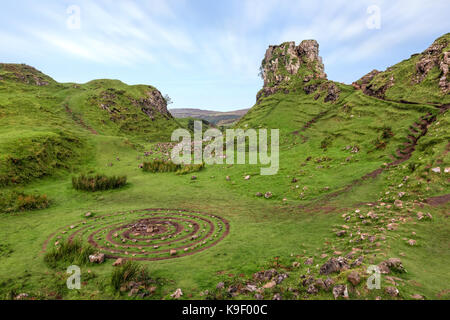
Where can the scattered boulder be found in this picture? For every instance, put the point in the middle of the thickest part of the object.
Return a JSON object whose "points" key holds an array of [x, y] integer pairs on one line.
{"points": [[340, 291], [220, 285], [177, 294], [354, 278], [309, 261], [21, 296], [312, 289], [268, 195], [334, 265], [269, 285], [118, 262], [173, 252], [341, 233], [97, 258], [392, 291]]}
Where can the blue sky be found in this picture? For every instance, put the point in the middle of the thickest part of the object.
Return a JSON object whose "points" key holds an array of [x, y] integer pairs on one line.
{"points": [[206, 53]]}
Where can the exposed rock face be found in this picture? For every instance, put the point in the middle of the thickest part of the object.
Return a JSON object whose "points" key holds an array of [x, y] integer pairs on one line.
{"points": [[284, 62], [154, 102], [434, 56], [365, 84], [25, 74]]}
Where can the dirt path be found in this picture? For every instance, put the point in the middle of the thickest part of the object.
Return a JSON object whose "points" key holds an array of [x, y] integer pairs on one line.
{"points": [[79, 120]]}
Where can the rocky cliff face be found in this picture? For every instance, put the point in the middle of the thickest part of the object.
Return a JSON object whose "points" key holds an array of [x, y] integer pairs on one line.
{"points": [[437, 55], [286, 62], [421, 77]]}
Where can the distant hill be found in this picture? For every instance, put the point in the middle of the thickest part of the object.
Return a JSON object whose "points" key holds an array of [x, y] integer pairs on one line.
{"points": [[216, 118]]}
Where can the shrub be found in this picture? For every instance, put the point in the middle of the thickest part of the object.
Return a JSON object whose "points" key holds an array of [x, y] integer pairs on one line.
{"points": [[160, 166], [191, 168], [168, 166], [98, 182], [18, 201], [69, 252], [130, 271]]}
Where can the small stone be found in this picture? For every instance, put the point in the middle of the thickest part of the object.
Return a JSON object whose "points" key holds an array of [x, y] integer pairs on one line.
{"points": [[269, 285], [341, 233], [340, 291], [118, 262], [193, 178], [177, 294], [220, 285], [97, 258], [412, 242], [392, 291], [417, 297], [247, 178], [398, 203], [268, 195], [436, 170], [88, 214], [309, 261], [354, 278]]}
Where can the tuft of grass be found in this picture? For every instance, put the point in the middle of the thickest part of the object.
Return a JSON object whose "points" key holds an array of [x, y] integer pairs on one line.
{"points": [[69, 252], [98, 182], [130, 271], [168, 166], [15, 201]]}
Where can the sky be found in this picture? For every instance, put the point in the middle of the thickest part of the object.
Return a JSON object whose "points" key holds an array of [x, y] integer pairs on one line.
{"points": [[206, 53]]}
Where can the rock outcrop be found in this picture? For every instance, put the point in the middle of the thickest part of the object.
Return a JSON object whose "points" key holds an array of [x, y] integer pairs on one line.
{"points": [[286, 62], [435, 56]]}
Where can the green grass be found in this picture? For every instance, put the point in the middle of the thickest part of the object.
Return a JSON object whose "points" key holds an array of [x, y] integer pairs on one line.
{"points": [[300, 221]]}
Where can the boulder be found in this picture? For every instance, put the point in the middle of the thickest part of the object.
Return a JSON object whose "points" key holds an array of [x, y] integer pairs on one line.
{"points": [[392, 291], [334, 265], [177, 294], [340, 291], [97, 258], [354, 278]]}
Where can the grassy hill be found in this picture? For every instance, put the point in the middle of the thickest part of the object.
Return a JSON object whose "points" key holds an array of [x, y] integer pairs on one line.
{"points": [[46, 125]]}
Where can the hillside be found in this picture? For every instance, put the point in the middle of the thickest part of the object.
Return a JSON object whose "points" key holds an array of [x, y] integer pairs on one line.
{"points": [[47, 125], [423, 78], [214, 117]]}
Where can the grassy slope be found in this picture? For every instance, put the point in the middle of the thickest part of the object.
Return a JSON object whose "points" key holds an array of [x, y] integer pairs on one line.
{"points": [[47, 127]]}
